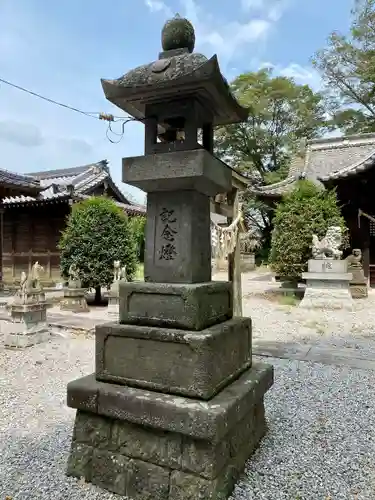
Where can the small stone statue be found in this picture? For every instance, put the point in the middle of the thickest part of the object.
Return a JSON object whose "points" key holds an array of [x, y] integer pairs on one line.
{"points": [[36, 270], [119, 273], [358, 283], [355, 259], [116, 270], [24, 285], [123, 273], [73, 272], [329, 246]]}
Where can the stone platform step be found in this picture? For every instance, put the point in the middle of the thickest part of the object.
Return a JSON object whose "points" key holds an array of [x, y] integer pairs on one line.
{"points": [[66, 322], [317, 353]]}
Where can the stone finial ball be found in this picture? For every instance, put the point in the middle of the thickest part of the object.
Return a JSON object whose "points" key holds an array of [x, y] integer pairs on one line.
{"points": [[178, 33]]}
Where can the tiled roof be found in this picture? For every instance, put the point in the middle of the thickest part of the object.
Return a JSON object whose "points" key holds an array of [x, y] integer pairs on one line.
{"points": [[64, 183], [18, 180], [133, 209], [325, 160]]}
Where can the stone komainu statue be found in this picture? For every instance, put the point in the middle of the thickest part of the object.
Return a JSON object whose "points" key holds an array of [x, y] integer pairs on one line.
{"points": [[329, 246]]}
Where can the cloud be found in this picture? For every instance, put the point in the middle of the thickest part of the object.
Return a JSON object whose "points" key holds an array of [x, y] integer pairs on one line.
{"points": [[21, 134], [252, 4], [28, 135], [74, 145], [271, 9], [229, 39], [158, 6], [303, 75]]}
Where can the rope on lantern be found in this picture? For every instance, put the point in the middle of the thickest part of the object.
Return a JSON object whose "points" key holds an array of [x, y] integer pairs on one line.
{"points": [[224, 239]]}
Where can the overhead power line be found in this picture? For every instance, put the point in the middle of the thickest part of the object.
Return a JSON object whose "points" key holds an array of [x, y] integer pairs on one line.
{"points": [[98, 115]]}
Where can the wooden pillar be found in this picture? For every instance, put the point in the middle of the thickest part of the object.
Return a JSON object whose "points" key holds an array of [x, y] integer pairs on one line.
{"points": [[234, 259], [49, 272], [365, 233]]}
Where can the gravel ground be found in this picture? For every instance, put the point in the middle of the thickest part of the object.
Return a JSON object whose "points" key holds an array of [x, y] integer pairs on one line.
{"points": [[277, 322], [320, 441]]}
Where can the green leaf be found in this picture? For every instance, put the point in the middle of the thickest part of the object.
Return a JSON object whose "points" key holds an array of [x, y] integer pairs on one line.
{"points": [[307, 210], [97, 233]]}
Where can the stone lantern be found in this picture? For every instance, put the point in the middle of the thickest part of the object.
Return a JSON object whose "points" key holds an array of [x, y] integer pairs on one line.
{"points": [[175, 406]]}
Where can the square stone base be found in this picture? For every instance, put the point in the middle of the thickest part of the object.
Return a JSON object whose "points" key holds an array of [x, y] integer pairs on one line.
{"points": [[358, 290], [15, 335], [27, 326], [194, 364], [188, 306], [330, 299], [113, 308], [327, 290], [74, 300], [150, 446]]}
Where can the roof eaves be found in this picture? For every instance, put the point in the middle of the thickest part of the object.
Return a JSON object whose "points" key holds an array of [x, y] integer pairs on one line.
{"points": [[351, 170], [67, 172]]}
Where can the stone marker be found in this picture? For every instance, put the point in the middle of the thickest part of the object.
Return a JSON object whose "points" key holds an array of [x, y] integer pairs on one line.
{"points": [[28, 313], [119, 274], [74, 295], [175, 406], [327, 279], [358, 283]]}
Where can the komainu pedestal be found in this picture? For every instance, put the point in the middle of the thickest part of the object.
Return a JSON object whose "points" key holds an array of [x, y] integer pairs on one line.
{"points": [[327, 285], [176, 405], [74, 299], [358, 283], [28, 325]]}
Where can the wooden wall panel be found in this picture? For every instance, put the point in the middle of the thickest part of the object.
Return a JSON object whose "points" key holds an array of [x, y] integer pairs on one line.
{"points": [[31, 234]]}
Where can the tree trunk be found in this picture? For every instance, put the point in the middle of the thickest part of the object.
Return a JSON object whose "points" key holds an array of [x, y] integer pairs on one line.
{"points": [[98, 295]]}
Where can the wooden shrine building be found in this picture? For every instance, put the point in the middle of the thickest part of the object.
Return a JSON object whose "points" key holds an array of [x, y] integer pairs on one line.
{"points": [[34, 211], [347, 164]]}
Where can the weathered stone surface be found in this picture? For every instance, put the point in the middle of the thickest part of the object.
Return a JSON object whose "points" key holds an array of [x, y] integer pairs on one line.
{"points": [[358, 290], [92, 429], [327, 285], [208, 420], [205, 458], [195, 170], [80, 461], [113, 308], [358, 284], [327, 266], [187, 306], [144, 463], [150, 445], [74, 300], [178, 239], [190, 487], [82, 394], [147, 481], [110, 471], [195, 364], [27, 326]]}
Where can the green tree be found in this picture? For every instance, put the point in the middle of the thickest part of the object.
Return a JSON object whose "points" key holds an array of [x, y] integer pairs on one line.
{"points": [[347, 65], [138, 226], [281, 114], [96, 234], [307, 210]]}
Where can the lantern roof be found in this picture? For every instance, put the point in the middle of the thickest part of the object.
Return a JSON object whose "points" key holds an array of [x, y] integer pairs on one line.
{"points": [[179, 73]]}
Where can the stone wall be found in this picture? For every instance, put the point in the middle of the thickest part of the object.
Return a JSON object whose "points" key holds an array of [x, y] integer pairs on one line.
{"points": [[128, 459]]}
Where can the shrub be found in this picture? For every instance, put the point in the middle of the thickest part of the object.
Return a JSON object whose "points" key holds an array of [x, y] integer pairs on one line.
{"points": [[307, 210], [138, 226], [97, 233]]}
